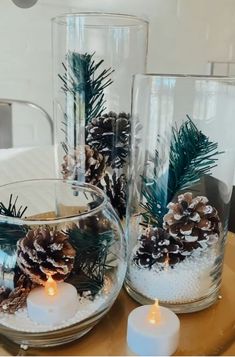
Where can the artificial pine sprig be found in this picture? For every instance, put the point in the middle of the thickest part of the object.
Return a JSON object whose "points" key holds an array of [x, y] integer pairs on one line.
{"points": [[11, 233], [91, 254], [11, 210], [191, 156], [82, 80], [154, 190]]}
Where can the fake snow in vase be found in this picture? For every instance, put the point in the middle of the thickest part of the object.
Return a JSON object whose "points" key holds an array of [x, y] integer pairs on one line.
{"points": [[85, 307], [175, 262], [182, 283]]}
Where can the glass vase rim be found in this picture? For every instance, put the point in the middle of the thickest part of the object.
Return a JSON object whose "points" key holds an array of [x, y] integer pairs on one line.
{"points": [[59, 18], [82, 185], [184, 76]]}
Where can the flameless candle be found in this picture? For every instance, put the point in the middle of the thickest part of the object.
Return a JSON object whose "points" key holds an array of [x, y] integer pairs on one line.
{"points": [[53, 303], [153, 330]]}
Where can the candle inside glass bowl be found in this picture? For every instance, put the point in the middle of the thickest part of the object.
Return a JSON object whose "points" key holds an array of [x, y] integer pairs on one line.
{"points": [[52, 304], [153, 331]]}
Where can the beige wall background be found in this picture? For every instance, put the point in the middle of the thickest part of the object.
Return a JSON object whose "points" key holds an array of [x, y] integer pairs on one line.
{"points": [[184, 36]]}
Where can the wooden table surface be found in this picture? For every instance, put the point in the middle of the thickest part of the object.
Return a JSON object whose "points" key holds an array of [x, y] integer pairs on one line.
{"points": [[209, 332]]}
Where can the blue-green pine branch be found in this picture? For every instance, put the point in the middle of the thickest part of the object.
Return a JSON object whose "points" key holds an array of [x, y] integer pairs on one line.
{"points": [[192, 155]]}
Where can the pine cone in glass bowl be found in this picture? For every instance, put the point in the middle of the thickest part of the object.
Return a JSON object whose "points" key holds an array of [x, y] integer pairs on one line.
{"points": [[94, 165], [43, 253], [13, 300], [157, 246], [193, 220], [109, 134]]}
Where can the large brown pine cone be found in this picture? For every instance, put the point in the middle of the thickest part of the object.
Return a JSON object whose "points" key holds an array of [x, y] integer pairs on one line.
{"points": [[157, 246], [94, 165], [44, 252], [109, 134], [192, 220]]}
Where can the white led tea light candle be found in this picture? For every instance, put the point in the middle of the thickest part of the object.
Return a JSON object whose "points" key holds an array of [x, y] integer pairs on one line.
{"points": [[52, 304], [153, 331]]}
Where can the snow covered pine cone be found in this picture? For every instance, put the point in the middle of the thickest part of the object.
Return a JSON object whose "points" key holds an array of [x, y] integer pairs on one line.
{"points": [[157, 246], [44, 252], [109, 134], [94, 165], [193, 221]]}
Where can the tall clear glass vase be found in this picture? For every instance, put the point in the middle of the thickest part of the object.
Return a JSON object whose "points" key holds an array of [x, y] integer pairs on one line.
{"points": [[95, 56], [181, 182]]}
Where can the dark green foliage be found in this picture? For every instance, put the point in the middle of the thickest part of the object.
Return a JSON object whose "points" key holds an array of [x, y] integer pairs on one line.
{"points": [[12, 210], [85, 87], [92, 248], [192, 155], [10, 233], [155, 192]]}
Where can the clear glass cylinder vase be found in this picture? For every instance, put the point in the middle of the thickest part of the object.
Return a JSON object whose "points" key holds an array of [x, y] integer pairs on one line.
{"points": [[94, 58], [182, 171]]}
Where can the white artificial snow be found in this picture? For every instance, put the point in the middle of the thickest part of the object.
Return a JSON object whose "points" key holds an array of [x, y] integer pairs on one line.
{"points": [[87, 307], [188, 280]]}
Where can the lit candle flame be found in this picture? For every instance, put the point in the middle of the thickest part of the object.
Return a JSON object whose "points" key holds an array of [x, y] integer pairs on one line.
{"points": [[51, 287], [154, 315]]}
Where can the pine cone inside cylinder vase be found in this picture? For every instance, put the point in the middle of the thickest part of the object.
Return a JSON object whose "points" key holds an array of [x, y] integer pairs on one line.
{"points": [[116, 189], [193, 220], [157, 246], [84, 159], [109, 134], [44, 252]]}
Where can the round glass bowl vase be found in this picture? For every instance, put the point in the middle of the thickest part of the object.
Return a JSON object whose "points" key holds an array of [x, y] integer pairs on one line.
{"points": [[182, 173], [94, 58], [62, 250]]}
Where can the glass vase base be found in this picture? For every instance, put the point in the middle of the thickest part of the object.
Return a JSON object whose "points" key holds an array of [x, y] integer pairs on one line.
{"points": [[52, 338], [178, 308]]}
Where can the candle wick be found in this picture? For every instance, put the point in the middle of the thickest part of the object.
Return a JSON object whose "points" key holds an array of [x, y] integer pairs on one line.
{"points": [[154, 316], [166, 263], [51, 286]]}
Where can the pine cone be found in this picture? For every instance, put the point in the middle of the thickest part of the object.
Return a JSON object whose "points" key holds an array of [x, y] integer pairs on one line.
{"points": [[94, 165], [43, 252], [4, 293], [116, 190], [193, 221], [11, 301], [97, 223], [109, 134], [157, 246]]}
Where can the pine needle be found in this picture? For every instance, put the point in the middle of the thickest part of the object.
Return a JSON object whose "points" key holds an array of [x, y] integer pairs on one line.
{"points": [[91, 255], [192, 155], [85, 87], [11, 233], [11, 210]]}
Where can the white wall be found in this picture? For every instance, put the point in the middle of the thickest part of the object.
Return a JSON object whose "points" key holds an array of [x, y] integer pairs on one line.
{"points": [[184, 36]]}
